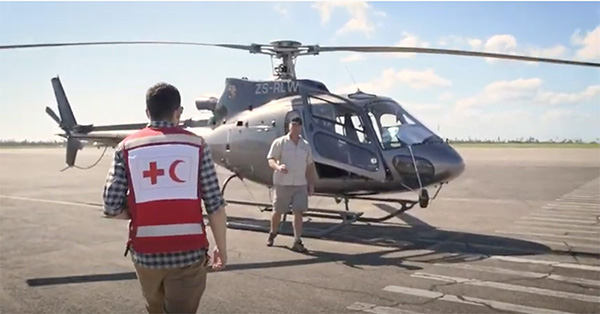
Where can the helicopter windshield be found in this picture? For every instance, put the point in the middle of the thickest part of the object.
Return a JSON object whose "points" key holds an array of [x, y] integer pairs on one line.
{"points": [[395, 127]]}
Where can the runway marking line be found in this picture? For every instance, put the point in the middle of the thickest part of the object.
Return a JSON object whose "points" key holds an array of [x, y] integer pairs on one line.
{"points": [[509, 287], [561, 236], [20, 198], [555, 229], [527, 274], [575, 221], [470, 300], [544, 262], [372, 308], [556, 224]]}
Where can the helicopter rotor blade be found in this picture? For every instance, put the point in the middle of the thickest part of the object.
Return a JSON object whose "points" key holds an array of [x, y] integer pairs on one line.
{"points": [[396, 49], [53, 115], [231, 46], [258, 48]]}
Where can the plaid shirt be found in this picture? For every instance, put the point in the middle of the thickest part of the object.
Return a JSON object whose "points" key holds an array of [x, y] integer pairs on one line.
{"points": [[115, 194]]}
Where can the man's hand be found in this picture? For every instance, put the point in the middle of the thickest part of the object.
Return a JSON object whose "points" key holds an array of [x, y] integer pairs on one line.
{"points": [[311, 189], [218, 225], [219, 259], [282, 168]]}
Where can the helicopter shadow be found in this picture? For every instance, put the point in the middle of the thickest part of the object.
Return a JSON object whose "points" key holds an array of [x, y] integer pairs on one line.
{"points": [[417, 240], [414, 241]]}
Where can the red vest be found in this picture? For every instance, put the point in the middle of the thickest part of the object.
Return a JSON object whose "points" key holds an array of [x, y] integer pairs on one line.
{"points": [[163, 167]]}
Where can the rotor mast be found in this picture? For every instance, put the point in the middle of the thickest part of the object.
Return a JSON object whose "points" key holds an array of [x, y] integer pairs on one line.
{"points": [[287, 51]]}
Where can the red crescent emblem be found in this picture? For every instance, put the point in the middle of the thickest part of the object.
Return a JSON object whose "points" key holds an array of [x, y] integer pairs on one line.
{"points": [[172, 173]]}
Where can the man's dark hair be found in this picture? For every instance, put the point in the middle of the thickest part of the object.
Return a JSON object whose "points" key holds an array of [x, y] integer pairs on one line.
{"points": [[162, 100]]}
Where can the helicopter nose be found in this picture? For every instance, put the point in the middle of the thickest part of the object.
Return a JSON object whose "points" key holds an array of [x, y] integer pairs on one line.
{"points": [[448, 163], [436, 163]]}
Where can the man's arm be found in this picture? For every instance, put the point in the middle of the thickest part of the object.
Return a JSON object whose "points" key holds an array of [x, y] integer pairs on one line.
{"points": [[115, 189], [274, 155], [311, 171], [213, 200]]}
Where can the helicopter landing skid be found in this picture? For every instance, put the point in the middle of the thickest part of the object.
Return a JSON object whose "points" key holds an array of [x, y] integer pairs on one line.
{"points": [[348, 217]]}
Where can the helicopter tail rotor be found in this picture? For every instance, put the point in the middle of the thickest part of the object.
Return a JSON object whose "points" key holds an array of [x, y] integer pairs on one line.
{"points": [[66, 121]]}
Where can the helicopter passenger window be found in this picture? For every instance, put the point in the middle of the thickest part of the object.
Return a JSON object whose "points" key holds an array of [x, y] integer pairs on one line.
{"points": [[338, 119], [345, 148]]}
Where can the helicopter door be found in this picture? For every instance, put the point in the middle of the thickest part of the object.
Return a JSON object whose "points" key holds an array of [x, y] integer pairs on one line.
{"points": [[340, 138]]}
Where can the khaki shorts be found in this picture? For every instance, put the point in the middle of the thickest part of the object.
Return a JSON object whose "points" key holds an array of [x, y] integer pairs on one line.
{"points": [[294, 196]]}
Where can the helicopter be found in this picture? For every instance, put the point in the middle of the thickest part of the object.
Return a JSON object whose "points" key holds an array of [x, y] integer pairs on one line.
{"points": [[363, 144]]}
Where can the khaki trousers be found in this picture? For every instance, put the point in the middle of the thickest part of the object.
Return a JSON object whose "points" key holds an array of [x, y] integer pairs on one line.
{"points": [[173, 290]]}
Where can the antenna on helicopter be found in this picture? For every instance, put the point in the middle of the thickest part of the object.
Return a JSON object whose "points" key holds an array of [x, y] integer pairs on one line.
{"points": [[353, 80]]}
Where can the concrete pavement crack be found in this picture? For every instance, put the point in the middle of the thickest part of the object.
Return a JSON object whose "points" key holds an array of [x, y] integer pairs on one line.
{"points": [[460, 297], [324, 288], [435, 287]]}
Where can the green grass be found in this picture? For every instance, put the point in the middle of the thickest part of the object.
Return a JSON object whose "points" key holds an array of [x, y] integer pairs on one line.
{"points": [[527, 145]]}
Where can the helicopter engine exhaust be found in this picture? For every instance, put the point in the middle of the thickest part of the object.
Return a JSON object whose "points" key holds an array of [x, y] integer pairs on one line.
{"points": [[209, 103]]}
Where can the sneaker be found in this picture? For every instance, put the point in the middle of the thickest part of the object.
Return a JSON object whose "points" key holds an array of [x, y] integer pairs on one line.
{"points": [[271, 239], [299, 247]]}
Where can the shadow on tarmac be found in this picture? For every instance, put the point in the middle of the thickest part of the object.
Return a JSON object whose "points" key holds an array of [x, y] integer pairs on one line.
{"points": [[441, 246]]}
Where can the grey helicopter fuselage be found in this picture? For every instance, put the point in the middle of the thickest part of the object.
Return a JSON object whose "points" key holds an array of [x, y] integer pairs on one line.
{"points": [[361, 143]]}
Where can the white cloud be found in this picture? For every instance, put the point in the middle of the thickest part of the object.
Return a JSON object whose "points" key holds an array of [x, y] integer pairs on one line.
{"points": [[281, 9], [453, 41], [512, 123], [446, 96], [353, 58], [556, 98], [409, 40], [590, 44], [525, 91], [360, 15], [475, 43], [418, 80], [505, 44], [422, 79], [554, 115], [553, 52]]}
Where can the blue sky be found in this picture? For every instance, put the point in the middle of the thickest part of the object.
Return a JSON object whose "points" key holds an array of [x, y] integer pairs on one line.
{"points": [[459, 97]]}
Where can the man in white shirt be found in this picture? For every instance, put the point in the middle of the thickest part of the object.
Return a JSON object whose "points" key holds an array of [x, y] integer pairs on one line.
{"points": [[290, 157]]}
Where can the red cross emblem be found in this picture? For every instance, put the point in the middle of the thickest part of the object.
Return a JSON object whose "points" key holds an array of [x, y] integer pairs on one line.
{"points": [[153, 173]]}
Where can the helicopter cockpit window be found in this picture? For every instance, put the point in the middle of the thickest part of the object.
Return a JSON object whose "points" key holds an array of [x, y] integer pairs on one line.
{"points": [[396, 128]]}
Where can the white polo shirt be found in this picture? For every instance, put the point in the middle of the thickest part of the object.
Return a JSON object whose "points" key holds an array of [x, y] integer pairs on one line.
{"points": [[296, 158]]}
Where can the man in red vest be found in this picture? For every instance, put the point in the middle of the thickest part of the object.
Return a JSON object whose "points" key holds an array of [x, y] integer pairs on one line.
{"points": [[158, 179]]}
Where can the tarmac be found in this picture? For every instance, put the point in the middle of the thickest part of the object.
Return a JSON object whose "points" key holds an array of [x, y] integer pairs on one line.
{"points": [[518, 232]]}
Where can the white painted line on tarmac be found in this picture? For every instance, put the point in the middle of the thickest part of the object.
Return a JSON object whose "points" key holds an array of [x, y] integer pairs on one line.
{"points": [[509, 287], [544, 262], [471, 301], [549, 235], [528, 274], [555, 229], [372, 308], [564, 214], [49, 201], [573, 204], [583, 222], [556, 224]]}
